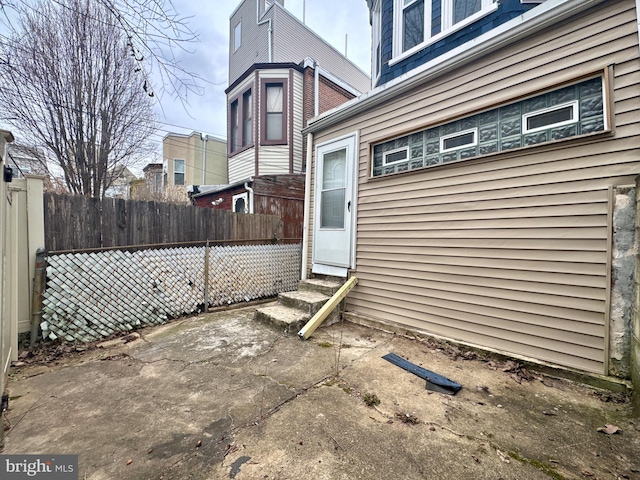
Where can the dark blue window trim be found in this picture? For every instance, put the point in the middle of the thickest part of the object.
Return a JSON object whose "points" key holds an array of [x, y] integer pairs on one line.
{"points": [[507, 10]]}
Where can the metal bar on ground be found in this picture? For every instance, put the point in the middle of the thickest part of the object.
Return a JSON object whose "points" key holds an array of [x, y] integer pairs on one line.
{"points": [[435, 382]]}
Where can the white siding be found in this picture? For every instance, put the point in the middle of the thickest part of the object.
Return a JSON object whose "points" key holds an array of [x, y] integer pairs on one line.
{"points": [[242, 166], [510, 251], [274, 159], [297, 121]]}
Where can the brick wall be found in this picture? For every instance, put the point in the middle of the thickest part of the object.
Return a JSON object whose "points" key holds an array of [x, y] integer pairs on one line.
{"points": [[330, 96]]}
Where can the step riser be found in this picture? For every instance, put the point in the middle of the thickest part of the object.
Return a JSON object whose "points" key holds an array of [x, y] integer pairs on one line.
{"points": [[310, 287], [306, 306], [291, 328]]}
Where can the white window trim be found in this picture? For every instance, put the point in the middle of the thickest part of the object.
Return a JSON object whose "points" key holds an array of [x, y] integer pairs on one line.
{"points": [[175, 172], [575, 119], [390, 152], [237, 36], [376, 41], [488, 6], [459, 134], [245, 197]]}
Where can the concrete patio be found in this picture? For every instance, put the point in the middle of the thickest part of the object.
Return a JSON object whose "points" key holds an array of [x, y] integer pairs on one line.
{"points": [[222, 396]]}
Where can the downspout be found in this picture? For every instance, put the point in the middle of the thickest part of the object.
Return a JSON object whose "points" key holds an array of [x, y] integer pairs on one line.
{"points": [[258, 22], [307, 199], [316, 87], [204, 157], [250, 190]]}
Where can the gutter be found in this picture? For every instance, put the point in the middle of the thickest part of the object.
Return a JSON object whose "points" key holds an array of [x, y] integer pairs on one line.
{"points": [[204, 139], [549, 13], [250, 190]]}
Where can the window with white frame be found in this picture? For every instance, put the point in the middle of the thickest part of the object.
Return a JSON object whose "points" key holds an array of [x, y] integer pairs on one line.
{"points": [[241, 203], [178, 171], [557, 116], [237, 36], [418, 23], [455, 141], [395, 156]]}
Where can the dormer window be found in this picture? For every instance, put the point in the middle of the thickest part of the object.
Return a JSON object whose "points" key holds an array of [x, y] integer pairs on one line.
{"points": [[419, 23]]}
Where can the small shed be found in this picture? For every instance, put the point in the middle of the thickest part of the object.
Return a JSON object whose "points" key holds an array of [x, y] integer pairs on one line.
{"points": [[281, 195]]}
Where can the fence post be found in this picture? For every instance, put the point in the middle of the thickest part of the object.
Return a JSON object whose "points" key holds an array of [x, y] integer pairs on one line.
{"points": [[206, 277], [39, 278]]}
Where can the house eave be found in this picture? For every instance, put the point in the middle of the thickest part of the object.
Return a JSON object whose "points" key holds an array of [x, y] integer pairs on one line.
{"points": [[547, 14], [224, 188]]}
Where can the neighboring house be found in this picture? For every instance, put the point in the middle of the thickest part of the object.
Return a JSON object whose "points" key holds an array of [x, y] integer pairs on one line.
{"points": [[268, 107], [153, 177], [472, 190], [281, 195], [263, 31], [25, 160], [194, 159], [281, 74], [121, 185]]}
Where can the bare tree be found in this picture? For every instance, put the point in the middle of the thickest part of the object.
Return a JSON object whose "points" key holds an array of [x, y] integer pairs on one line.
{"points": [[156, 34], [73, 84]]}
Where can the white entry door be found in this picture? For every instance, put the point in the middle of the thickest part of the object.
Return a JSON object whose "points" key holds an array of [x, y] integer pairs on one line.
{"points": [[334, 206]]}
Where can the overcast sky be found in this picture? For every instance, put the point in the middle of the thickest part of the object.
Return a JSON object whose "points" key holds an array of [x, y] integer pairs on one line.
{"points": [[331, 19]]}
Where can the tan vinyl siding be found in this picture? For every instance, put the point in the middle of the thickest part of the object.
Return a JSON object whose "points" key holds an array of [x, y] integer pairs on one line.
{"points": [[293, 41], [509, 251]]}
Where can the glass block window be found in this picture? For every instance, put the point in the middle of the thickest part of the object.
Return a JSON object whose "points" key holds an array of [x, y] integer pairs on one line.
{"points": [[566, 112]]}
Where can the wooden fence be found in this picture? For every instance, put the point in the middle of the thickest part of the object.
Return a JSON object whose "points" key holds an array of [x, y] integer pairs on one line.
{"points": [[77, 222]]}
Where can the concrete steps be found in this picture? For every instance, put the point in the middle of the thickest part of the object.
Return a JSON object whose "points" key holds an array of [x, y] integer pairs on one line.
{"points": [[295, 309]]}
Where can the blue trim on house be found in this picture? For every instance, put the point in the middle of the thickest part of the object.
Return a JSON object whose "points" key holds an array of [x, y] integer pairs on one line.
{"points": [[507, 10]]}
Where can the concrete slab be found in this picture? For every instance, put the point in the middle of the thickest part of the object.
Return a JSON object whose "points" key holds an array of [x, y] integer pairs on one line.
{"points": [[222, 396]]}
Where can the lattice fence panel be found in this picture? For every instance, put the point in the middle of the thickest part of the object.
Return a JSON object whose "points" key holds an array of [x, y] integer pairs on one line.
{"points": [[93, 295]]}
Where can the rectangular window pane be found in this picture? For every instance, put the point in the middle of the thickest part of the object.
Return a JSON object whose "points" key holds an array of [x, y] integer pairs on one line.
{"points": [[333, 170], [235, 141], [237, 36], [465, 8], [564, 114], [395, 156], [413, 25], [246, 118], [274, 98], [274, 126], [461, 140], [332, 209]]}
